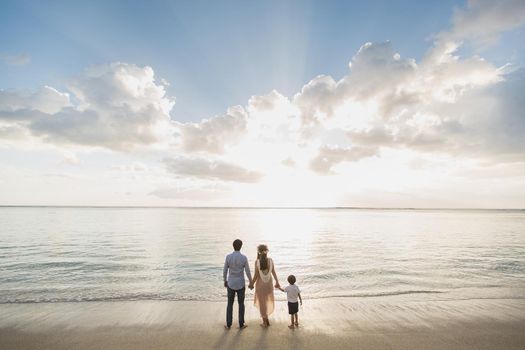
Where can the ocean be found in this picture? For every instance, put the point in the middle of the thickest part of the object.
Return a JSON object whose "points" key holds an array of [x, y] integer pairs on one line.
{"points": [[82, 254]]}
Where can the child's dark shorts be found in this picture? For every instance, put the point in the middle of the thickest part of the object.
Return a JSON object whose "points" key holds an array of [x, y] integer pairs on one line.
{"points": [[293, 308]]}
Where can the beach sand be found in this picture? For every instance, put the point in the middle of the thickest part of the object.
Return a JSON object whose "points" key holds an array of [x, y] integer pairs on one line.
{"points": [[401, 322]]}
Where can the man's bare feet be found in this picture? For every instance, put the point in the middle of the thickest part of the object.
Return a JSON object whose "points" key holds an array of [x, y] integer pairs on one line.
{"points": [[291, 326], [227, 327], [243, 326]]}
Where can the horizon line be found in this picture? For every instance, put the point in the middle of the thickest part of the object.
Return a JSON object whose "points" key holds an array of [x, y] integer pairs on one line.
{"points": [[246, 207]]}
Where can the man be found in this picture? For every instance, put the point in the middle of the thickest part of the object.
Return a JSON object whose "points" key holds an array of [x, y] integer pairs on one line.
{"points": [[233, 274]]}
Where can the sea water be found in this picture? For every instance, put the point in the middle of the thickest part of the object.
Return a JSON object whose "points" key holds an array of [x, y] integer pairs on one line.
{"points": [[60, 254]]}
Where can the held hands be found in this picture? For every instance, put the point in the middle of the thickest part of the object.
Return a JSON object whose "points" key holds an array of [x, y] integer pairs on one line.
{"points": [[277, 285], [250, 286]]}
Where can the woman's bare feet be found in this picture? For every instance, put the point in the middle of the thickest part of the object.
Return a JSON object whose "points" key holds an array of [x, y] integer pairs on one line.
{"points": [[266, 323]]}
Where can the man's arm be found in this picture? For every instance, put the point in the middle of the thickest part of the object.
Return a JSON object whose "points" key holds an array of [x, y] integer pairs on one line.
{"points": [[247, 270], [225, 272]]}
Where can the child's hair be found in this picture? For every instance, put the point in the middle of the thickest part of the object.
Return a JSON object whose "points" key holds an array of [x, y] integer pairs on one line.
{"points": [[262, 252], [291, 279]]}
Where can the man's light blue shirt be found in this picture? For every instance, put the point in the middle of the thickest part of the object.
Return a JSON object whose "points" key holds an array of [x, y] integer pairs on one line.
{"points": [[237, 264]]}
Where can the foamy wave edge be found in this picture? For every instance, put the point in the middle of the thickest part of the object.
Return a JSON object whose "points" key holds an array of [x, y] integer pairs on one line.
{"points": [[182, 298]]}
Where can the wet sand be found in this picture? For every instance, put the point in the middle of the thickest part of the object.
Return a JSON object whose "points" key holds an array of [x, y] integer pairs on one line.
{"points": [[403, 322]]}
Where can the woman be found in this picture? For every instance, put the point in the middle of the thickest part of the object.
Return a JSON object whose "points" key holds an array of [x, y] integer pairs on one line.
{"points": [[264, 269]]}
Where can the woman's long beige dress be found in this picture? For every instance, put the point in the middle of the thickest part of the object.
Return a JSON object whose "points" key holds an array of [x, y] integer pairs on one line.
{"points": [[264, 299]]}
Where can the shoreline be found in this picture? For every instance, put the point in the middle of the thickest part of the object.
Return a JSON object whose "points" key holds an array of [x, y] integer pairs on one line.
{"points": [[337, 323]]}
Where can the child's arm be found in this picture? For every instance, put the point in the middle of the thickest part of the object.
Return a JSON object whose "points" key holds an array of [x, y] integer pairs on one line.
{"points": [[300, 299], [282, 290]]}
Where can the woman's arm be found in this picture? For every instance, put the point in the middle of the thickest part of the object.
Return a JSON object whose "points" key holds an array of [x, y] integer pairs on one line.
{"points": [[255, 275], [277, 285]]}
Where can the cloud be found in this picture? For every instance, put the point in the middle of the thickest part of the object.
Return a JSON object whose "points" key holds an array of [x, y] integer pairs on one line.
{"points": [[13, 133], [204, 168], [121, 85], [16, 60], [328, 157], [486, 122], [131, 168], [389, 102], [20, 103], [385, 101], [194, 194], [118, 106], [69, 158], [492, 120], [214, 134], [375, 71], [483, 21]]}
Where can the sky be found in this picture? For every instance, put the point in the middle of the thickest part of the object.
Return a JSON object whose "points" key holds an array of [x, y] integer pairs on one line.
{"points": [[263, 103]]}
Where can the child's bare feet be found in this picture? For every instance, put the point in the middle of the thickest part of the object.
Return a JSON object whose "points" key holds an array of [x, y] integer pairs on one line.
{"points": [[291, 326], [296, 324]]}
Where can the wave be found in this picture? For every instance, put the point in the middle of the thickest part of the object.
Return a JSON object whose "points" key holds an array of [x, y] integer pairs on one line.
{"points": [[144, 297], [156, 297], [382, 294]]}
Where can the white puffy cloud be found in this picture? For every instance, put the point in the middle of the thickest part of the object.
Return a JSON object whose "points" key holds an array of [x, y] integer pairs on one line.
{"points": [[376, 71], [214, 134], [118, 106], [385, 101], [121, 85]]}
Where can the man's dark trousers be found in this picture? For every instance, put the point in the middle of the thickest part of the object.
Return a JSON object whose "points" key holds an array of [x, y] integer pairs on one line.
{"points": [[229, 309]]}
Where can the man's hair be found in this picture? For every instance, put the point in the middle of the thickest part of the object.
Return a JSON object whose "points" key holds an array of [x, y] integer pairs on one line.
{"points": [[237, 244], [291, 279]]}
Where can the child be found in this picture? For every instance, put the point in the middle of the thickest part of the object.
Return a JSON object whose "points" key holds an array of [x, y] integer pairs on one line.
{"points": [[292, 293]]}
